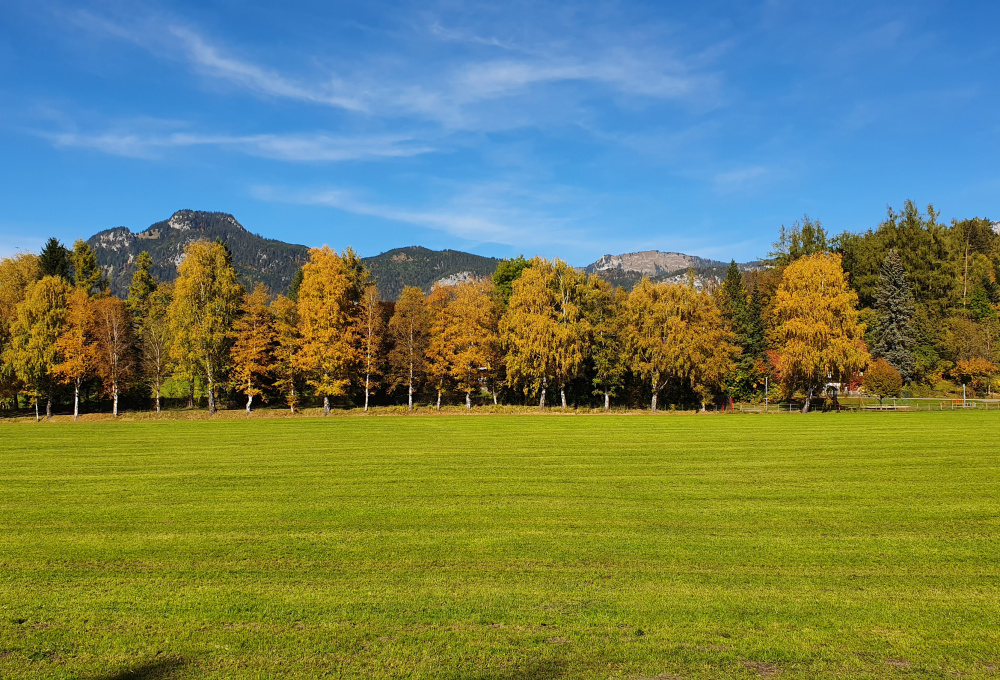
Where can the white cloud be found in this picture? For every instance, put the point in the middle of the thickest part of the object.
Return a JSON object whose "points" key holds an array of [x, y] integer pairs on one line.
{"points": [[476, 214], [316, 147]]}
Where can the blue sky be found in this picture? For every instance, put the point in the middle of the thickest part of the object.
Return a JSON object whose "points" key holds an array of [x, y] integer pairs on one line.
{"points": [[566, 130]]}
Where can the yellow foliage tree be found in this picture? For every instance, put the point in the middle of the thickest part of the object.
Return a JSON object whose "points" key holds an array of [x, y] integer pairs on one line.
{"points": [[113, 332], [439, 351], [288, 341], [327, 322], [408, 329], [470, 335], [16, 274], [37, 324], [75, 345], [675, 333], [207, 295], [371, 333], [254, 338], [544, 330], [816, 329]]}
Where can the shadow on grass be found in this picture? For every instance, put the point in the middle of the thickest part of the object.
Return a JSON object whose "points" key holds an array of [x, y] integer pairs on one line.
{"points": [[160, 669], [538, 670]]}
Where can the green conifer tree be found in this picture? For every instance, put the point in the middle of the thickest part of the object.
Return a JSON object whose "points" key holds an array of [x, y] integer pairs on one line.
{"points": [[894, 335]]}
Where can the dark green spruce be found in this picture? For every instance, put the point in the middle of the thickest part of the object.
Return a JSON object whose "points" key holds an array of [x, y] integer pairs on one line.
{"points": [[894, 336]]}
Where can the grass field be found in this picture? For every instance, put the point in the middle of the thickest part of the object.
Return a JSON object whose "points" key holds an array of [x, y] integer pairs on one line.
{"points": [[510, 547]]}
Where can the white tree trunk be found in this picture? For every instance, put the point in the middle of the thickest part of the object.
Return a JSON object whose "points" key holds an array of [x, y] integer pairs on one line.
{"points": [[76, 400], [114, 391], [249, 401], [48, 407], [38, 418], [157, 394], [562, 395], [367, 382], [652, 406], [326, 405], [468, 400], [211, 393], [809, 394], [607, 402], [409, 390], [541, 398], [494, 398], [439, 400]]}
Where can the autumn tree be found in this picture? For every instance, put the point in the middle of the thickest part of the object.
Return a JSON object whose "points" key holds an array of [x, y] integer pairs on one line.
{"points": [[544, 331], [114, 343], [287, 343], [17, 273], [154, 340], [605, 308], [975, 372], [36, 326], [438, 354], [75, 346], [676, 333], [253, 341], [207, 295], [371, 334], [816, 329], [327, 322], [470, 334], [882, 380], [408, 328], [87, 275]]}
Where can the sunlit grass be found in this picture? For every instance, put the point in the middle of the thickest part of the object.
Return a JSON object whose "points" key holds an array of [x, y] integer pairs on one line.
{"points": [[831, 545]]}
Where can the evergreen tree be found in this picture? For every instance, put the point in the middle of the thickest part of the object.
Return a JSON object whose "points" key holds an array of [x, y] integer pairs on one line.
{"points": [[55, 260], [507, 272], [87, 275], [744, 312], [894, 335], [142, 287]]}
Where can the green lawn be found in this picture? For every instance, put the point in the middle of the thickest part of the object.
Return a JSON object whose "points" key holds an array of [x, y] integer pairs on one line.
{"points": [[741, 546]]}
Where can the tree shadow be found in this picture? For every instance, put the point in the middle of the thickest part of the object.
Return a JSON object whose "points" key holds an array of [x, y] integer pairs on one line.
{"points": [[537, 670], [159, 669]]}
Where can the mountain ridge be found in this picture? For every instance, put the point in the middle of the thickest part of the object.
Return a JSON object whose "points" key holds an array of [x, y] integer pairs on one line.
{"points": [[274, 262]]}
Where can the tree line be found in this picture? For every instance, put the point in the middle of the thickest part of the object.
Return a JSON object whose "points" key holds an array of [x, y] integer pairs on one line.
{"points": [[912, 302]]}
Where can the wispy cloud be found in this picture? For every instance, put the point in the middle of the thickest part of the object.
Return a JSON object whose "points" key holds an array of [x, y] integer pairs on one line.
{"points": [[450, 93], [475, 215], [315, 147]]}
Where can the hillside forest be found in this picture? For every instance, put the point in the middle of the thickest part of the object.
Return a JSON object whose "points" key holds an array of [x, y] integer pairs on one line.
{"points": [[909, 306]]}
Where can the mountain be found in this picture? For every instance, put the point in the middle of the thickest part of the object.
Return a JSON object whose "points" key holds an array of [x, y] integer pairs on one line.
{"points": [[256, 258], [629, 268], [417, 266], [269, 261]]}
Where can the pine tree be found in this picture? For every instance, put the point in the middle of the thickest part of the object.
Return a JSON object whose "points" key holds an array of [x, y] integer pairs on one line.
{"points": [[253, 343], [142, 286], [894, 335], [54, 260], [87, 275]]}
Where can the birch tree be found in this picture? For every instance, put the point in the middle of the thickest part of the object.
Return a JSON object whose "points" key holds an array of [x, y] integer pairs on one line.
{"points": [[114, 342], [17, 273], [75, 345], [371, 333], [37, 324], [287, 344], [816, 329], [408, 329], [439, 353], [676, 333], [253, 342], [206, 299], [326, 317], [470, 333]]}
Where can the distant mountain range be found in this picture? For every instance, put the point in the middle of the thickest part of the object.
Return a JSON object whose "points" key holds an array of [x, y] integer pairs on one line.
{"points": [[274, 262]]}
